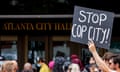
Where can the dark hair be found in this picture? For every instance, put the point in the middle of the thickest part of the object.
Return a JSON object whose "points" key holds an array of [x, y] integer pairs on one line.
{"points": [[59, 53], [41, 59], [107, 56], [116, 59]]}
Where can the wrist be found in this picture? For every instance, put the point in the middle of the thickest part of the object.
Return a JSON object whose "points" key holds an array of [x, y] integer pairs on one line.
{"points": [[94, 52]]}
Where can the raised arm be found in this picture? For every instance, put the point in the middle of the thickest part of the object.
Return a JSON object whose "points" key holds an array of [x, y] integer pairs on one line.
{"points": [[98, 59]]}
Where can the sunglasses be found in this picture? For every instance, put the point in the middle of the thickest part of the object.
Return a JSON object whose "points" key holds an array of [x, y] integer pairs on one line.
{"points": [[109, 63]]}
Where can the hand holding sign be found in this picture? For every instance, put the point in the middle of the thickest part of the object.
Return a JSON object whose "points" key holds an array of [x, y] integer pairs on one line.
{"points": [[92, 24], [91, 46]]}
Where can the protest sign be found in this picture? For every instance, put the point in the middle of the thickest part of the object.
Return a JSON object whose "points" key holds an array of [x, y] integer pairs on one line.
{"points": [[92, 24]]}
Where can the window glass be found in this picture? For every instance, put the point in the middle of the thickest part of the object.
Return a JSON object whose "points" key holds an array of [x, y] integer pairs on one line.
{"points": [[61, 47], [9, 50], [36, 49]]}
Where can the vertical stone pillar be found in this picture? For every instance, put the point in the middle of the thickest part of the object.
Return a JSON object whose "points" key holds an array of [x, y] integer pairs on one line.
{"points": [[22, 45], [46, 49]]}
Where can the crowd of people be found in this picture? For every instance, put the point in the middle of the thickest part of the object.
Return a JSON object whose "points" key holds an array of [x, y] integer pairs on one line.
{"points": [[110, 62]]}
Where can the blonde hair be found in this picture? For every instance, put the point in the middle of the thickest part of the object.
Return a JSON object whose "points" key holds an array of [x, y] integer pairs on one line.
{"points": [[8, 66], [15, 64]]}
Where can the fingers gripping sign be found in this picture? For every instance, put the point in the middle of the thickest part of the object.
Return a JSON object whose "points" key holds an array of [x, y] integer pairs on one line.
{"points": [[91, 46]]}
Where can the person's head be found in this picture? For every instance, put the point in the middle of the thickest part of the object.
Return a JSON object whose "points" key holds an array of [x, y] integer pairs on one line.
{"points": [[73, 56], [59, 53], [27, 66], [94, 68], [76, 61], [41, 60], [114, 62], [107, 57], [15, 64], [92, 60], [8, 66], [59, 60]]}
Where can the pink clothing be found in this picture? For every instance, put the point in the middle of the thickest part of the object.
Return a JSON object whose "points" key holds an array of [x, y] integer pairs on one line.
{"points": [[51, 65]]}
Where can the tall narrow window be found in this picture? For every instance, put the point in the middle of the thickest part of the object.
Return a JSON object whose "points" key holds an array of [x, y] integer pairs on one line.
{"points": [[36, 49]]}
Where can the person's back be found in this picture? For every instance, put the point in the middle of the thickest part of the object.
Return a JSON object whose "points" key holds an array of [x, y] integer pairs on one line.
{"points": [[27, 67], [58, 66], [27, 71], [44, 67], [66, 65]]}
